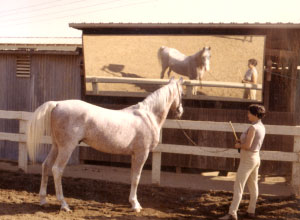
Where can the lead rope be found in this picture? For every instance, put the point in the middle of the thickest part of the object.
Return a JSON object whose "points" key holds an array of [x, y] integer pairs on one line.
{"points": [[186, 135]]}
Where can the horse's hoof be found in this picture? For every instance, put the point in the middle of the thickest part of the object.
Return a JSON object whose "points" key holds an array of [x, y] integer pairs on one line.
{"points": [[44, 204], [137, 209], [66, 209]]}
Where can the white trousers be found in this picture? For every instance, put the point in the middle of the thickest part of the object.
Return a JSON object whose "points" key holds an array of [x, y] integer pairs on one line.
{"points": [[249, 94], [246, 173]]}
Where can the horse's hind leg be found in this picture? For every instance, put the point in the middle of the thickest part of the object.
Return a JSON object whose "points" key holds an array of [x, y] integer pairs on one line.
{"points": [[137, 163], [57, 170], [47, 165]]}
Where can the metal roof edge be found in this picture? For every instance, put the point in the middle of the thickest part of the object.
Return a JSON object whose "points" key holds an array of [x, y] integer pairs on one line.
{"points": [[49, 52], [82, 26]]}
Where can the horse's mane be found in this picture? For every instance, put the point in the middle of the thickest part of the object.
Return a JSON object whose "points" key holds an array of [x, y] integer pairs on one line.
{"points": [[159, 98]]}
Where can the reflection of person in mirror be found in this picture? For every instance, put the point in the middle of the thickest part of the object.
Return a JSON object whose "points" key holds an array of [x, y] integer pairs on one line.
{"points": [[250, 77]]}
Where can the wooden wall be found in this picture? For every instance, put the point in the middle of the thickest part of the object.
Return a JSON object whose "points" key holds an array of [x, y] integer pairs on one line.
{"points": [[204, 138], [284, 48], [281, 99], [53, 77]]}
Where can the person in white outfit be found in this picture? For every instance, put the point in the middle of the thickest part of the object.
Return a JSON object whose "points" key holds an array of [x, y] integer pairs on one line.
{"points": [[250, 77], [249, 144]]}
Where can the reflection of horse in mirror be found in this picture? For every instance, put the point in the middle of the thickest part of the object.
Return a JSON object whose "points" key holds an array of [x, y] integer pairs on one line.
{"points": [[193, 66], [134, 130]]}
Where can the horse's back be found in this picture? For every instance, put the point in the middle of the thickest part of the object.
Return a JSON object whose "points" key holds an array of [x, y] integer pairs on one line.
{"points": [[81, 112], [174, 54], [111, 131]]}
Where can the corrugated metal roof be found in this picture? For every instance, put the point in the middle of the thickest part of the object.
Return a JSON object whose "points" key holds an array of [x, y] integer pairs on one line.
{"points": [[34, 44], [82, 26]]}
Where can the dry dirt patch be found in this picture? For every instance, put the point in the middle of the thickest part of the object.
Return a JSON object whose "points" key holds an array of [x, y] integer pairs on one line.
{"points": [[97, 199]]}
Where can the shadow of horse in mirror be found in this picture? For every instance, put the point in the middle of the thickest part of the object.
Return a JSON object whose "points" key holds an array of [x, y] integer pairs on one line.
{"points": [[117, 71]]}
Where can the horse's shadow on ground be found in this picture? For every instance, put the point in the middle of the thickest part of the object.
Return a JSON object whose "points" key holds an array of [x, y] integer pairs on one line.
{"points": [[117, 70]]}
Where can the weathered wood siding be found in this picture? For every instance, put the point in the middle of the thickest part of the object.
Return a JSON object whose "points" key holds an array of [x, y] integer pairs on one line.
{"points": [[281, 97], [53, 77], [207, 138]]}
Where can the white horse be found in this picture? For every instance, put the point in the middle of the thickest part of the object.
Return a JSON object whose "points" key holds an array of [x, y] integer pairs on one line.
{"points": [[193, 66], [134, 130]]}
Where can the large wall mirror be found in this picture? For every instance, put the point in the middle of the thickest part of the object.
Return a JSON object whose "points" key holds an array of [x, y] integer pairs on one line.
{"points": [[137, 56]]}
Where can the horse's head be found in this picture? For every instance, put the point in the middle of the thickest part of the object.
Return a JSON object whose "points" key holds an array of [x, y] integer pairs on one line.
{"points": [[176, 106], [205, 58]]}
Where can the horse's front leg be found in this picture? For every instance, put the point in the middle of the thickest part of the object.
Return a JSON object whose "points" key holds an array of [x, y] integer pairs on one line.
{"points": [[162, 74], [169, 72], [195, 90], [137, 162]]}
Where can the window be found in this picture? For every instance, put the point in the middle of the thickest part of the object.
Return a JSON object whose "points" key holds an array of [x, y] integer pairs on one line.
{"points": [[23, 66]]}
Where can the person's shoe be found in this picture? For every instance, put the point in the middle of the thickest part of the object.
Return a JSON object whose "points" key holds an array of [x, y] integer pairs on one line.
{"points": [[249, 216], [228, 217]]}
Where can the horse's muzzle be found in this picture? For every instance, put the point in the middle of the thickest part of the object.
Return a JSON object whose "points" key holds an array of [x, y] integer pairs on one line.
{"points": [[207, 67]]}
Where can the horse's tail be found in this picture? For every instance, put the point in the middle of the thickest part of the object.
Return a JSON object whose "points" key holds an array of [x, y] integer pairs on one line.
{"points": [[159, 54], [39, 125]]}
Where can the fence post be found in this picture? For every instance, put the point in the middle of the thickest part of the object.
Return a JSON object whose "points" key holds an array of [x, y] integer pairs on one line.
{"points": [[95, 88], [296, 167], [189, 91], [156, 164], [22, 159]]}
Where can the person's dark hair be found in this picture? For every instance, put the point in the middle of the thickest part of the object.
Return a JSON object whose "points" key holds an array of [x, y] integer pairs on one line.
{"points": [[257, 110], [253, 62]]}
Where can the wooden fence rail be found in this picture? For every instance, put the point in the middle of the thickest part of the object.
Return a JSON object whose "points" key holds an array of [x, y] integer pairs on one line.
{"points": [[95, 80], [293, 157]]}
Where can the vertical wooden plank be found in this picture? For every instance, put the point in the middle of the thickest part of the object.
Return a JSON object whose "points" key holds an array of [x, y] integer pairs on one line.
{"points": [[22, 159], [156, 164], [95, 88], [189, 91], [296, 167]]}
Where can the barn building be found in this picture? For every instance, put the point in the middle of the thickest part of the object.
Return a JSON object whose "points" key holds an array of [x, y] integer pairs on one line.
{"points": [[35, 70], [280, 93], [32, 73]]}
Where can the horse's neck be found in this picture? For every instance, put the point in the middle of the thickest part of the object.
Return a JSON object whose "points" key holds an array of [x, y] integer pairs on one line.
{"points": [[161, 114], [196, 58], [160, 106]]}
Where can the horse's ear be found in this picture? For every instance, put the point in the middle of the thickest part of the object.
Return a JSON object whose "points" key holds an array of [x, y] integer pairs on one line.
{"points": [[209, 48], [171, 79], [180, 81]]}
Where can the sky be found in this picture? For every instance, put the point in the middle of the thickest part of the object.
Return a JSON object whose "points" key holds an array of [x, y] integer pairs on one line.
{"points": [[51, 18]]}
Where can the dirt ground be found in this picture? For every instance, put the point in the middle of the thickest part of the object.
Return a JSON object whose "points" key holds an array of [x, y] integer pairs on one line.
{"points": [[98, 199]]}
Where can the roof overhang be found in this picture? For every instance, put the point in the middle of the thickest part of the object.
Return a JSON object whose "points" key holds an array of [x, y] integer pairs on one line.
{"points": [[86, 26], [30, 51]]}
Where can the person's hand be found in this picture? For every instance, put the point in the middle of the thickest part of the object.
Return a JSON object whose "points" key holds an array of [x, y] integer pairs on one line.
{"points": [[237, 145]]}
